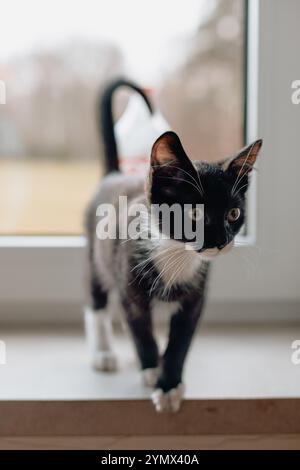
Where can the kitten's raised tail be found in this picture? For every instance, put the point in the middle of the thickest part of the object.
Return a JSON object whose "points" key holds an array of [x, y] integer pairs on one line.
{"points": [[106, 121]]}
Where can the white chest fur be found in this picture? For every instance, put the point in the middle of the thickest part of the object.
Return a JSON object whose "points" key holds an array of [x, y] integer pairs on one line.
{"points": [[175, 264]]}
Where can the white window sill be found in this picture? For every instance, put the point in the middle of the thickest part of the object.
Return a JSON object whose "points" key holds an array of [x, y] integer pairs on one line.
{"points": [[226, 361], [62, 241], [239, 380]]}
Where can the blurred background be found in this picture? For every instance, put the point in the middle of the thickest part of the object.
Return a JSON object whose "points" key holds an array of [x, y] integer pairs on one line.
{"points": [[55, 59], [192, 59]]}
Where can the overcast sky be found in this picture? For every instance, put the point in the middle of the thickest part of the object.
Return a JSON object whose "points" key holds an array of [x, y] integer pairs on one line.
{"points": [[143, 29]]}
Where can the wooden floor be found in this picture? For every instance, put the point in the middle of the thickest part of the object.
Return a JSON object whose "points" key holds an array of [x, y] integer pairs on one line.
{"points": [[203, 442]]}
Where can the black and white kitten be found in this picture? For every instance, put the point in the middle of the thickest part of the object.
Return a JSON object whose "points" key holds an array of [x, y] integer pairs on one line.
{"points": [[137, 275]]}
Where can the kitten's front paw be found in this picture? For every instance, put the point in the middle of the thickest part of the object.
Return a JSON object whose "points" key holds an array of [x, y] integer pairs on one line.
{"points": [[106, 361], [168, 401], [150, 376]]}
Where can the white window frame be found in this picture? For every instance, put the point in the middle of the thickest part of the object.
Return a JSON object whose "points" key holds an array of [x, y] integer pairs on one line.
{"points": [[42, 277]]}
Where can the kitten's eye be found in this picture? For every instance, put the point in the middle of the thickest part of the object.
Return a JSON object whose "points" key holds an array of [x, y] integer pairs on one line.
{"points": [[233, 214], [196, 214]]}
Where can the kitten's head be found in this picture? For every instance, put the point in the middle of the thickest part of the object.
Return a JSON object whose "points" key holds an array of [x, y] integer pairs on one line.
{"points": [[221, 187]]}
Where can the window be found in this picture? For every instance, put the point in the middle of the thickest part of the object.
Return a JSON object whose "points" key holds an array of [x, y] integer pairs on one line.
{"points": [[41, 276], [55, 61]]}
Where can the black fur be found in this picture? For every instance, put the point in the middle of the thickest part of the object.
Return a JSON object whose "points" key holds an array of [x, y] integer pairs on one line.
{"points": [[173, 178], [190, 298], [179, 181], [98, 294], [106, 122]]}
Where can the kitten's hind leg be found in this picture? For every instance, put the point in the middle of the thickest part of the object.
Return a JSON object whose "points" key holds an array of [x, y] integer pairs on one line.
{"points": [[99, 331]]}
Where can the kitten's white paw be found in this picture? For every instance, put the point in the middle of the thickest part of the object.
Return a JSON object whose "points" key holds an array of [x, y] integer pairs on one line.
{"points": [[169, 401], [106, 361], [150, 376]]}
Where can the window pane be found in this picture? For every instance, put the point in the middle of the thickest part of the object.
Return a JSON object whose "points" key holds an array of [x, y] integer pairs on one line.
{"points": [[55, 58]]}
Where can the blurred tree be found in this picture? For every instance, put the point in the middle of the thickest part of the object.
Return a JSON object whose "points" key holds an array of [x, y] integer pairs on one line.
{"points": [[53, 95], [203, 98]]}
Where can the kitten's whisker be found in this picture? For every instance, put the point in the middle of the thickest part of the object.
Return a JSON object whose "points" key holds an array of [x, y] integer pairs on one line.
{"points": [[239, 189], [151, 257], [174, 254], [199, 185], [241, 169], [179, 271], [233, 192], [182, 179], [169, 264], [164, 256], [199, 179], [160, 274], [180, 267], [154, 224], [169, 282]]}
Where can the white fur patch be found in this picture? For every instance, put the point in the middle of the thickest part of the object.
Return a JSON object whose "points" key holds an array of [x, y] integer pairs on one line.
{"points": [[175, 263], [169, 401], [150, 376], [211, 253], [164, 309], [99, 335], [105, 361]]}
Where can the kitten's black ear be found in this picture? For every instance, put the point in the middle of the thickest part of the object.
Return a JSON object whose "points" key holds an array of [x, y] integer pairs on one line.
{"points": [[244, 161], [170, 169], [167, 150]]}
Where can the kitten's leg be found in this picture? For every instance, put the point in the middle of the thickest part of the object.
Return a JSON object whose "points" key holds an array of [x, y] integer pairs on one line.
{"points": [[98, 325], [169, 389], [138, 316]]}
